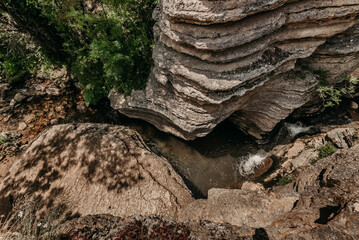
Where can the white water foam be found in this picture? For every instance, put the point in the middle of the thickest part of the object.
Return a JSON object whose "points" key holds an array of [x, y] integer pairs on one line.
{"points": [[251, 162], [295, 128]]}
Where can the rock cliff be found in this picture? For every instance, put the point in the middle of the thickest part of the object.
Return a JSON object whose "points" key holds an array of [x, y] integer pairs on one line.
{"points": [[251, 61]]}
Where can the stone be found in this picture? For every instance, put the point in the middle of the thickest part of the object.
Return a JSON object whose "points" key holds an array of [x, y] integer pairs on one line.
{"points": [[12, 103], [22, 126], [251, 186], [243, 208], [353, 105], [54, 121], [95, 169], [19, 97], [296, 149], [263, 168], [343, 137], [4, 88], [252, 62]]}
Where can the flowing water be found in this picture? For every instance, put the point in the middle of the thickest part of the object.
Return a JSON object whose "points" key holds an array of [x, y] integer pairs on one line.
{"points": [[225, 158]]}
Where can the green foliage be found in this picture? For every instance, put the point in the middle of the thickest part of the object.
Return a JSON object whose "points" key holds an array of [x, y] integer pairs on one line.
{"points": [[7, 138], [325, 151], [332, 95], [18, 56], [283, 181], [104, 43]]}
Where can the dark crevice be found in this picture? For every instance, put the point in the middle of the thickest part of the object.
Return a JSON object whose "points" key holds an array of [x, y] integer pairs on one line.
{"points": [[328, 213], [260, 234], [321, 175]]}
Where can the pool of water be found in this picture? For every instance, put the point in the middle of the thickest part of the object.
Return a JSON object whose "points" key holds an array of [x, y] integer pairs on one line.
{"points": [[225, 158]]}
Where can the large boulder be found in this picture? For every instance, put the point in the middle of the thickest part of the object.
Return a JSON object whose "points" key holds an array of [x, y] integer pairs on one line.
{"points": [[244, 208], [94, 169], [240, 59]]}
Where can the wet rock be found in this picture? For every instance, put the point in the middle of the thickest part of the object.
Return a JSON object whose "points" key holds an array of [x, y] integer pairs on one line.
{"points": [[95, 169], [241, 60], [263, 168]]}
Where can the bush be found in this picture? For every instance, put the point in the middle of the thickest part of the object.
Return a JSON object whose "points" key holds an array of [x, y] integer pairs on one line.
{"points": [[332, 95], [283, 181], [18, 55], [327, 150], [104, 43]]}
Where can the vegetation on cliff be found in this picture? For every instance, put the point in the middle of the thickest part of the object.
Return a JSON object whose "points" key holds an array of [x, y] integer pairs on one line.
{"points": [[104, 44]]}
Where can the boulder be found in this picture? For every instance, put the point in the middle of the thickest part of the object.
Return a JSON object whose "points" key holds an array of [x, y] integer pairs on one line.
{"points": [[86, 169], [253, 62], [255, 209]]}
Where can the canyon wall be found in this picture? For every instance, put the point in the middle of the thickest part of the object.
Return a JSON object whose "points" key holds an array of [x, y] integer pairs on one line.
{"points": [[251, 61]]}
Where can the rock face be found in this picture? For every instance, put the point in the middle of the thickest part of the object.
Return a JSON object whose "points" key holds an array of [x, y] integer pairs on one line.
{"points": [[94, 169], [321, 203], [247, 60]]}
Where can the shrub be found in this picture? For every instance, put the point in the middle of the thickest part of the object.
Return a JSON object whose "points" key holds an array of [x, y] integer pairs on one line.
{"points": [[283, 181], [18, 55], [104, 43], [332, 95], [325, 151]]}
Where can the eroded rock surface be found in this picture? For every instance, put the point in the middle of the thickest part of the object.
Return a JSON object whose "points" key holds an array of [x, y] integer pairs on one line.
{"points": [[321, 203], [94, 169], [239, 59]]}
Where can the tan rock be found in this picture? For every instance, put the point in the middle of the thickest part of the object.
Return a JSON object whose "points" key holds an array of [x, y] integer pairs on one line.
{"points": [[95, 169], [22, 126], [296, 149], [240, 207], [251, 186]]}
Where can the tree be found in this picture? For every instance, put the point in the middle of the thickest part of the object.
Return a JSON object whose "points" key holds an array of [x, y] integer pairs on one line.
{"points": [[104, 43]]}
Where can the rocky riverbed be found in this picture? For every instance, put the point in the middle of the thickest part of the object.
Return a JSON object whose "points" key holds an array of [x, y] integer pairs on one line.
{"points": [[86, 170]]}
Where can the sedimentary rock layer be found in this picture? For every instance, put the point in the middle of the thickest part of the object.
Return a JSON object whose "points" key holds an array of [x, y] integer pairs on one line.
{"points": [[216, 59]]}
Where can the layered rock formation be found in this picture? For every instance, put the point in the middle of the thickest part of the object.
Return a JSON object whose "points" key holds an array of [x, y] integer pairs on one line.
{"points": [[82, 169], [239, 59]]}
